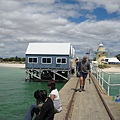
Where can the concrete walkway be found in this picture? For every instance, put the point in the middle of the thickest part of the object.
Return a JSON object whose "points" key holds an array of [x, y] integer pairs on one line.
{"points": [[86, 105]]}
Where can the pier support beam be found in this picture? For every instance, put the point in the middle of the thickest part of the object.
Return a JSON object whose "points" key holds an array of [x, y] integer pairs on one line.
{"points": [[43, 74]]}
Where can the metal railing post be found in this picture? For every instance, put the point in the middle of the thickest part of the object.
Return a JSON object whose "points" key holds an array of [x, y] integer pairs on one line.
{"points": [[102, 77], [119, 92], [108, 84], [99, 75]]}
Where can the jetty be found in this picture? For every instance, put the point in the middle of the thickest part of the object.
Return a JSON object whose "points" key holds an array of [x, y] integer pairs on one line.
{"points": [[91, 104]]}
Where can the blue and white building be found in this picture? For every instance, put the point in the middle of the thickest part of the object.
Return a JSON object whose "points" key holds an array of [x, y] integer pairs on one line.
{"points": [[50, 59], [112, 60]]}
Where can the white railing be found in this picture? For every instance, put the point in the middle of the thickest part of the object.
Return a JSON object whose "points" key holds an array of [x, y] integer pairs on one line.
{"points": [[99, 73]]}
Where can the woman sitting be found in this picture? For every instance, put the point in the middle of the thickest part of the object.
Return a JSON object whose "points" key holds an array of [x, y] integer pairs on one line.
{"points": [[54, 95]]}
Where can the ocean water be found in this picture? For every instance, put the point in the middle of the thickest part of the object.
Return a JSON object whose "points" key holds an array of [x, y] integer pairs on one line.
{"points": [[16, 95], [114, 79]]}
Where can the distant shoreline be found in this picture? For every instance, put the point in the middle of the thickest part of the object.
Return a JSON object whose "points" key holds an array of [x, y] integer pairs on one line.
{"points": [[112, 69], [12, 65], [18, 65]]}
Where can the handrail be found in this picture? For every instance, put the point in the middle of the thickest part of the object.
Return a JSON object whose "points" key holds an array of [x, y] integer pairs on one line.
{"points": [[100, 74]]}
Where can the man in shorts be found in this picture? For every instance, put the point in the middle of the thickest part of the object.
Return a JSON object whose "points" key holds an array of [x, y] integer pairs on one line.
{"points": [[83, 71]]}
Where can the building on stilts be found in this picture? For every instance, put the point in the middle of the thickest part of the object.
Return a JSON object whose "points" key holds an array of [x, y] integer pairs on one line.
{"points": [[46, 61]]}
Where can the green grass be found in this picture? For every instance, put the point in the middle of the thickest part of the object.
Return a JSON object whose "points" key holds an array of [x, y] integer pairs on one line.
{"points": [[102, 66]]}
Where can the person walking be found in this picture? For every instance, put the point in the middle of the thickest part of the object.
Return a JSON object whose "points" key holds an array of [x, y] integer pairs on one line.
{"points": [[83, 71]]}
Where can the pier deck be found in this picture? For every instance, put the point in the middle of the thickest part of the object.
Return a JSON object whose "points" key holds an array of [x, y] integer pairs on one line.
{"points": [[86, 105]]}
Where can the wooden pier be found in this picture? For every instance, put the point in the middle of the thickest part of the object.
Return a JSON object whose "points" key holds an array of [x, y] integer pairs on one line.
{"points": [[86, 105]]}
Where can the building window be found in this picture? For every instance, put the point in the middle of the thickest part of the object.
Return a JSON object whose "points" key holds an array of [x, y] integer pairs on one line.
{"points": [[46, 60], [33, 60], [106, 60], [61, 60]]}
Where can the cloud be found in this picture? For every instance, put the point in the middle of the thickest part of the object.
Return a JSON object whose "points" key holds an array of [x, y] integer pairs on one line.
{"points": [[26, 21], [110, 6]]}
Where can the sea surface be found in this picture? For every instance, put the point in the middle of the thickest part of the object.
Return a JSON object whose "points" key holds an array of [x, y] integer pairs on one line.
{"points": [[16, 95], [114, 79]]}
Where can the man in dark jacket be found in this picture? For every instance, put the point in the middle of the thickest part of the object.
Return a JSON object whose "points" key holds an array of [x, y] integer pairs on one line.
{"points": [[83, 70]]}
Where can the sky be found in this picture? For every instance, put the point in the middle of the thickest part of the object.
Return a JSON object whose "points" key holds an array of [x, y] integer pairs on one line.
{"points": [[83, 23]]}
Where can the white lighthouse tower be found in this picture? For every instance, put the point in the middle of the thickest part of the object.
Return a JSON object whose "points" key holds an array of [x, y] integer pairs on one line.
{"points": [[100, 53]]}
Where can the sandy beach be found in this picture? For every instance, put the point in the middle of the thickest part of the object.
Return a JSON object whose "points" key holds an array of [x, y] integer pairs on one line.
{"points": [[15, 65], [112, 69]]}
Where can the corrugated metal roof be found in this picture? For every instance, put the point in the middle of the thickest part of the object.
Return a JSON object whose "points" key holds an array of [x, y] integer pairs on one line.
{"points": [[49, 48]]}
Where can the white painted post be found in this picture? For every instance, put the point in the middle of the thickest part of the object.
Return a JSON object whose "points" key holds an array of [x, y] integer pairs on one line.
{"points": [[68, 74], [99, 75], [119, 92], [102, 77], [39, 74], [54, 76], [32, 73], [108, 84], [26, 75]]}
